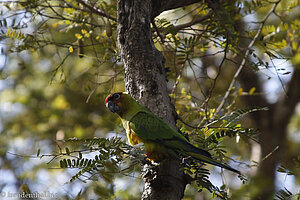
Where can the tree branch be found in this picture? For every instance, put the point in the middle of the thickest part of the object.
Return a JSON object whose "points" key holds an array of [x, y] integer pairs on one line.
{"points": [[145, 80], [159, 6], [241, 66], [96, 10], [287, 102], [293, 93], [193, 22]]}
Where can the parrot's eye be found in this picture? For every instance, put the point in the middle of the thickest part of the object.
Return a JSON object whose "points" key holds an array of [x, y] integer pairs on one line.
{"points": [[117, 96]]}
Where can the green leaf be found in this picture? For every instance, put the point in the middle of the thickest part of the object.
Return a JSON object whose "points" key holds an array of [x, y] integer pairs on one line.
{"points": [[61, 164], [67, 151], [38, 152], [69, 163], [283, 194]]}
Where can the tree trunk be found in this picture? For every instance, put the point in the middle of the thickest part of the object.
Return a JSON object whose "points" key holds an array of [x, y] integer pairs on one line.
{"points": [[272, 124], [145, 80]]}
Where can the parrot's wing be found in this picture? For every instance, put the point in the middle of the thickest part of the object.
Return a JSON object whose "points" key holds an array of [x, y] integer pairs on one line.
{"points": [[148, 126]]}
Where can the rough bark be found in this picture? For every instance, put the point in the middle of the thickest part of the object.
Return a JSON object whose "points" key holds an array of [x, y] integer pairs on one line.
{"points": [[145, 80], [145, 77]]}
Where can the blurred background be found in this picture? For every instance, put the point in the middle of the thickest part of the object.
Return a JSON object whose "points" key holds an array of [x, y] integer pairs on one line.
{"points": [[59, 60]]}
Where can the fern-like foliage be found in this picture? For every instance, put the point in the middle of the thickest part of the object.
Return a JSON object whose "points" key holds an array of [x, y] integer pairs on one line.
{"points": [[285, 194], [102, 158], [228, 126], [110, 153], [238, 114]]}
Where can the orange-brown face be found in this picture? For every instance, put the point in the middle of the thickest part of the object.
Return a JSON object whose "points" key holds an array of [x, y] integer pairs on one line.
{"points": [[112, 102]]}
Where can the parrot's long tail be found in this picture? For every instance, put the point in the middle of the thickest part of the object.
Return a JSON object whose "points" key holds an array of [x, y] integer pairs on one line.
{"points": [[204, 156]]}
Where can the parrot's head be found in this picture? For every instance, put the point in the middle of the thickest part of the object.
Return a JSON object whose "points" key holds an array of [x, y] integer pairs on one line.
{"points": [[113, 102], [122, 104]]}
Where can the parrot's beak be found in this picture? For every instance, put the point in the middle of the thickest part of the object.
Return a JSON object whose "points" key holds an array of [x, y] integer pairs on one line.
{"points": [[113, 107]]}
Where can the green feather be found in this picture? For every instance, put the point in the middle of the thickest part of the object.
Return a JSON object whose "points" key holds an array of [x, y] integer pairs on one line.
{"points": [[158, 135]]}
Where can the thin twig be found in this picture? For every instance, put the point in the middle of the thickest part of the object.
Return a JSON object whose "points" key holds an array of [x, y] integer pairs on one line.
{"points": [[59, 66], [245, 58], [177, 80], [96, 10], [98, 85], [19, 155], [280, 80], [269, 154], [158, 31], [193, 22]]}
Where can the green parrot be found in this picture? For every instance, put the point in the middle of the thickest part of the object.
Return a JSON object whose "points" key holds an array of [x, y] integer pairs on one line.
{"points": [[161, 141]]}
